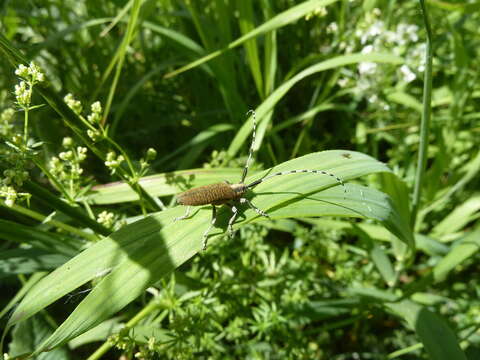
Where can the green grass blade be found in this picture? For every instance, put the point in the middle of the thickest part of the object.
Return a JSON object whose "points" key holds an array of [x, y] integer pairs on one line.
{"points": [[176, 37], [459, 217], [405, 99], [122, 50], [466, 247], [426, 114], [287, 17], [383, 264], [201, 137], [247, 23], [270, 52], [269, 103]]}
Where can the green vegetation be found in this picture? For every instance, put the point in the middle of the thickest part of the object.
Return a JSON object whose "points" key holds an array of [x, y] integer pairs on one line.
{"points": [[109, 109]]}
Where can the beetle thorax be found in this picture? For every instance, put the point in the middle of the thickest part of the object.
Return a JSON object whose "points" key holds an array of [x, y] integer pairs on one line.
{"points": [[239, 189]]}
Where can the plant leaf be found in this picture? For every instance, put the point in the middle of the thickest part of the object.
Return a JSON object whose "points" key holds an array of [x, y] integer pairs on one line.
{"points": [[143, 252]]}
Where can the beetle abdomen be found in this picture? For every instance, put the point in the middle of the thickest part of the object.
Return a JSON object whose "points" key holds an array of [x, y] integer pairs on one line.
{"points": [[215, 194]]}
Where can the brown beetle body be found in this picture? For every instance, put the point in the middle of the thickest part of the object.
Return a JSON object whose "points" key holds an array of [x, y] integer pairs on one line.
{"points": [[214, 194]]}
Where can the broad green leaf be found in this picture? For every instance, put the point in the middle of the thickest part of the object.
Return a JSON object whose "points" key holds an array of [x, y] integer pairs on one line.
{"points": [[27, 336], [43, 240], [27, 261], [436, 336], [141, 253], [98, 333]]}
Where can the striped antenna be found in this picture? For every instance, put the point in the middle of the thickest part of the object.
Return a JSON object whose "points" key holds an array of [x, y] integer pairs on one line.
{"points": [[250, 153], [340, 181]]}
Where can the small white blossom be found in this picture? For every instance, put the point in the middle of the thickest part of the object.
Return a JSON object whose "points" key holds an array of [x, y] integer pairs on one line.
{"points": [[342, 82], [23, 94], [97, 107], [366, 68], [332, 28], [73, 104], [408, 75], [106, 218], [113, 161], [10, 195], [367, 49], [67, 142], [6, 121], [32, 73], [94, 134], [21, 71], [81, 153], [66, 155], [372, 98], [35, 73]]}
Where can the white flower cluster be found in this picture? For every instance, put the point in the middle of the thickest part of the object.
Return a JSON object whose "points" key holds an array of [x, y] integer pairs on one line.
{"points": [[31, 75], [6, 122], [73, 104], [66, 167], [373, 36], [106, 218], [113, 161], [95, 118], [402, 42], [320, 11]]}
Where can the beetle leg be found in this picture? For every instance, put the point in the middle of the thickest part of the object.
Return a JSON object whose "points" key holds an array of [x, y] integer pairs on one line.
{"points": [[187, 214], [231, 221], [205, 234], [257, 210]]}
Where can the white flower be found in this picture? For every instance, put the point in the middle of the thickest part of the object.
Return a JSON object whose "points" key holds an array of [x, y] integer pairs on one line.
{"points": [[97, 107], [342, 82], [408, 75], [22, 71], [365, 68], [332, 28], [73, 104], [367, 49], [67, 142]]}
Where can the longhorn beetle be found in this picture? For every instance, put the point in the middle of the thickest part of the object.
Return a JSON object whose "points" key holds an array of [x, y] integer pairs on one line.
{"points": [[226, 193]]}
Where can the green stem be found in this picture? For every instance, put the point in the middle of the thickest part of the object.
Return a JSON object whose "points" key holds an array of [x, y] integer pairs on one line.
{"points": [[153, 305], [426, 113], [52, 200], [53, 179], [121, 58], [25, 127], [40, 217]]}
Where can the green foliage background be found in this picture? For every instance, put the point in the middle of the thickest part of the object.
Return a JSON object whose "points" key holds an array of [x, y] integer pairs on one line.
{"points": [[334, 275]]}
